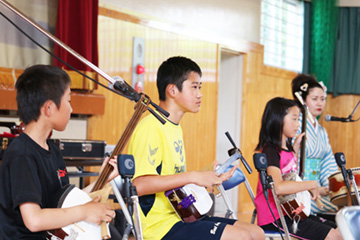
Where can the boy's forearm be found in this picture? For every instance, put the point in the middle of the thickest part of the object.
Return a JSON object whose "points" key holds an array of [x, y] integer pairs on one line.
{"points": [[89, 187], [151, 184], [37, 219]]}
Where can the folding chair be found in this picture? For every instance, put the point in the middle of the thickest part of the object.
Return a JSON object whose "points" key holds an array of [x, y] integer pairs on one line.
{"points": [[238, 178], [348, 221]]}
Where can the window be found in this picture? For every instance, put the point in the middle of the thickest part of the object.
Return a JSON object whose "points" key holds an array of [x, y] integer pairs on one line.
{"points": [[282, 30]]}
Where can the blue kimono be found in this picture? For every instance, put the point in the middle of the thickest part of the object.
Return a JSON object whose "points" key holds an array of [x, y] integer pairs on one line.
{"points": [[320, 162]]}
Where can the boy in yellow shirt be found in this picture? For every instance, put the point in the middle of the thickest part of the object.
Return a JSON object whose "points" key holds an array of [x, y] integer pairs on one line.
{"points": [[161, 164]]}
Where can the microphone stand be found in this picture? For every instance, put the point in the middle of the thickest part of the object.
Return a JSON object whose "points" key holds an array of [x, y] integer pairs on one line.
{"points": [[235, 154], [352, 179], [345, 176], [351, 115], [133, 204], [231, 152], [220, 170], [270, 185]]}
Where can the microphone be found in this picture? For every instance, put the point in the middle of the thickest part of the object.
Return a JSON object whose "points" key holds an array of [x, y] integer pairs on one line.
{"points": [[340, 161], [126, 165], [329, 118], [125, 89], [260, 163]]}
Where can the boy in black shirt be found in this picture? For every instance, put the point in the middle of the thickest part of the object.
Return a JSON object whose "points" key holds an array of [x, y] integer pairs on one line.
{"points": [[33, 170]]}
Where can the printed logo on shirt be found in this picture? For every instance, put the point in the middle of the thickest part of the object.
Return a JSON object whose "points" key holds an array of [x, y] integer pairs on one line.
{"points": [[213, 231], [179, 149], [180, 169], [152, 152], [61, 174]]}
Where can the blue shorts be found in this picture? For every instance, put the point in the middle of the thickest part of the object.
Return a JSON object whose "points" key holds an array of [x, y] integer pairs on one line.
{"points": [[209, 228]]}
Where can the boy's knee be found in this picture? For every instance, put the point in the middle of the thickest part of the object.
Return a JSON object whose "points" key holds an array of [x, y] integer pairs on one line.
{"points": [[251, 232]]}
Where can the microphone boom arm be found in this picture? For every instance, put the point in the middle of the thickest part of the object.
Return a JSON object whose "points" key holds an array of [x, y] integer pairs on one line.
{"points": [[237, 150]]}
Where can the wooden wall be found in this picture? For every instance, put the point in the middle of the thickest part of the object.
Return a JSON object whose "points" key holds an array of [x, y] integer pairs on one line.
{"points": [[344, 137]]}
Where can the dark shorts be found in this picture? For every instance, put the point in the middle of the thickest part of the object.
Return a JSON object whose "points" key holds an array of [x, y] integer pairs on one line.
{"points": [[209, 228], [310, 228]]}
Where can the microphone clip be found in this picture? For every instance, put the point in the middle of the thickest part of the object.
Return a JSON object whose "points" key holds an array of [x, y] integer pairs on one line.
{"points": [[237, 150]]}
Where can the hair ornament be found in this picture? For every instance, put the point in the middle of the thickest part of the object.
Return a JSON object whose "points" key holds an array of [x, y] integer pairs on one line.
{"points": [[304, 87], [323, 87]]}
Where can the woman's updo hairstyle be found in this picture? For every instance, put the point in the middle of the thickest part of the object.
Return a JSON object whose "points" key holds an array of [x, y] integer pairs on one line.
{"points": [[302, 84]]}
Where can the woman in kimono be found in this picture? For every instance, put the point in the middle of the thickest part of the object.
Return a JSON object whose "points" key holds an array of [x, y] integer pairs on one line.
{"points": [[320, 162]]}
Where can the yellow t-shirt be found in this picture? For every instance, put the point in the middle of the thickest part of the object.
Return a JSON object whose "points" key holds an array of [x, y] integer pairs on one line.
{"points": [[158, 149]]}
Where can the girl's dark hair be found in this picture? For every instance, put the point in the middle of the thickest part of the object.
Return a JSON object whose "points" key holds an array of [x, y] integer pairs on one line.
{"points": [[302, 83], [174, 70], [35, 86], [272, 123]]}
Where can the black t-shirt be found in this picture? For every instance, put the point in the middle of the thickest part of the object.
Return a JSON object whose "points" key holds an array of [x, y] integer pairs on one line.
{"points": [[272, 155], [28, 173]]}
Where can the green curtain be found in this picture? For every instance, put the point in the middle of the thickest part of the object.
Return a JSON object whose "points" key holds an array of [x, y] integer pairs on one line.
{"points": [[306, 48], [323, 19], [345, 78]]}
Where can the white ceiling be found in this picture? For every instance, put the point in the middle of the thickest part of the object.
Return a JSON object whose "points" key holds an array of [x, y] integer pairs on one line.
{"points": [[349, 3]]}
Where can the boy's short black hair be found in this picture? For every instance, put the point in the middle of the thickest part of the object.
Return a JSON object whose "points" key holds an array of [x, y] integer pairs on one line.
{"points": [[36, 85], [174, 70]]}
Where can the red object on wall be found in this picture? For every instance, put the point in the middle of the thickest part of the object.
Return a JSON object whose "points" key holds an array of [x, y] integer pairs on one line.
{"points": [[140, 69], [76, 26]]}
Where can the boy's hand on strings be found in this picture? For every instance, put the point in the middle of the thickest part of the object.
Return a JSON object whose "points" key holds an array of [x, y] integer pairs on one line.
{"points": [[209, 179], [97, 212], [206, 179], [226, 175], [113, 163]]}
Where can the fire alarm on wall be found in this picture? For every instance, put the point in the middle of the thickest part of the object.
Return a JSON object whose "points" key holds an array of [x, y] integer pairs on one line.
{"points": [[138, 67]]}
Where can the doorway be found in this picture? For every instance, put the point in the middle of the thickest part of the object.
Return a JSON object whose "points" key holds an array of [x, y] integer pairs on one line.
{"points": [[229, 116]]}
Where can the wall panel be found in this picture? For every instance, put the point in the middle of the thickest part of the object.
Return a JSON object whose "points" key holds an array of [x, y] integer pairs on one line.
{"points": [[261, 83], [344, 137]]}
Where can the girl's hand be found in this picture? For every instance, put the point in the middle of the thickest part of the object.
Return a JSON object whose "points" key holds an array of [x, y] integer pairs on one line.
{"points": [[314, 190], [324, 191]]}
